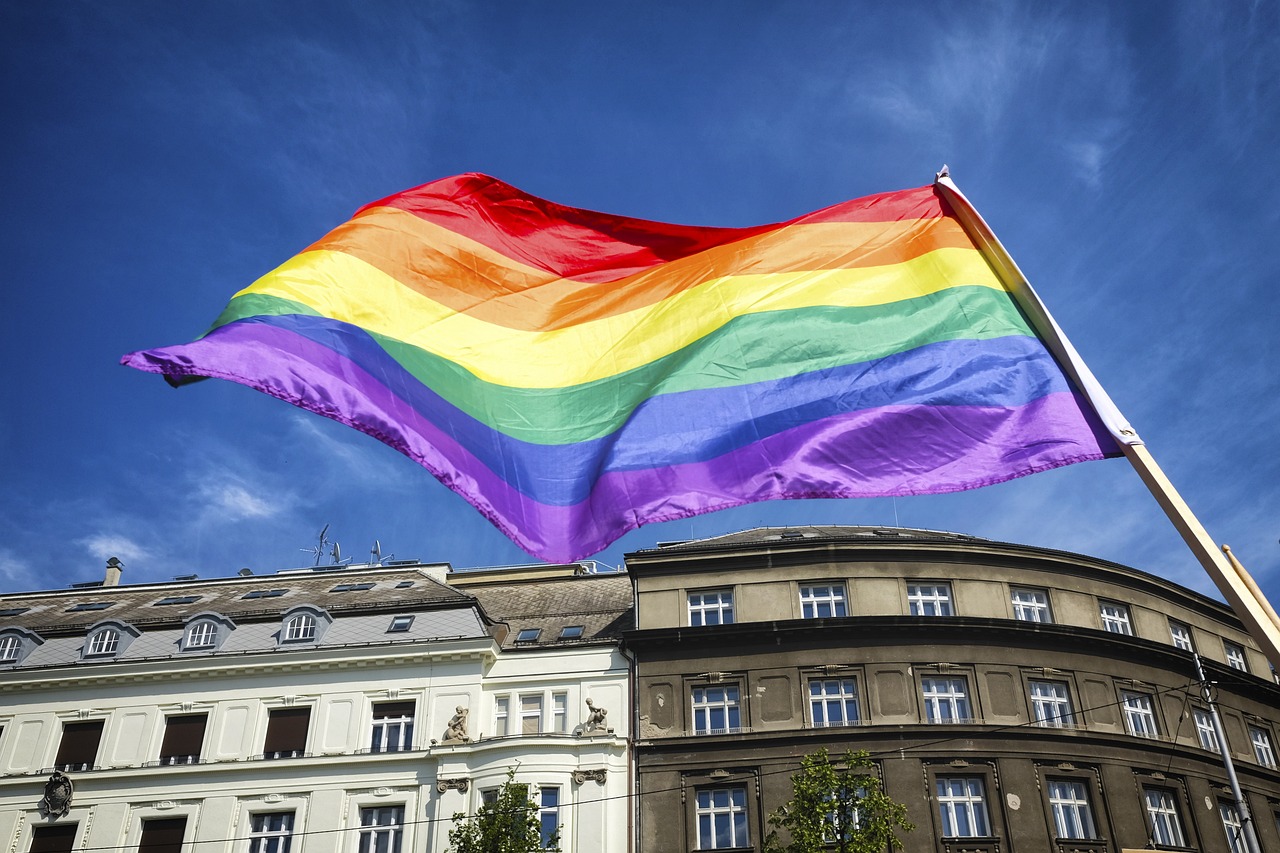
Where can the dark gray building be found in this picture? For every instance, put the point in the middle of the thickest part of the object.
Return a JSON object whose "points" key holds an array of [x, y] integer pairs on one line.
{"points": [[1014, 698]]}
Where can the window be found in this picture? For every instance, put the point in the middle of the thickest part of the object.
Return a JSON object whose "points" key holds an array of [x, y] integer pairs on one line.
{"points": [[528, 635], [404, 584], [13, 611], [571, 632], [162, 836], [392, 727], [1072, 816], [271, 832], [1262, 746], [352, 587], [1235, 656], [1232, 826], [560, 712], [946, 700], [202, 635], [833, 701], [381, 829], [89, 605], [1181, 636], [962, 807], [1138, 714], [399, 623], [1162, 812], [286, 732], [549, 814], [929, 599], [177, 599], [103, 642], [501, 713], [1115, 618], [1051, 706], [1205, 730], [265, 593], [722, 818], [1030, 605], [10, 648], [78, 749], [530, 713], [183, 739], [822, 601], [60, 838], [300, 628], [716, 710], [711, 607]]}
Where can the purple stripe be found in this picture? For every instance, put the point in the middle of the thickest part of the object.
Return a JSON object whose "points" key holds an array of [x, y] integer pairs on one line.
{"points": [[881, 452]]}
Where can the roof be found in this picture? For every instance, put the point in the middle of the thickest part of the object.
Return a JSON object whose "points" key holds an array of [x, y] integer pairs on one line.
{"points": [[765, 535], [600, 604]]}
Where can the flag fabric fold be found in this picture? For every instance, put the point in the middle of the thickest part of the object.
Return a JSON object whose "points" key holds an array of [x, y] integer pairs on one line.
{"points": [[574, 374]]}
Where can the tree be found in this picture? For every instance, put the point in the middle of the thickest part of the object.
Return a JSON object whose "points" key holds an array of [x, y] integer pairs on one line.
{"points": [[837, 806], [507, 823]]}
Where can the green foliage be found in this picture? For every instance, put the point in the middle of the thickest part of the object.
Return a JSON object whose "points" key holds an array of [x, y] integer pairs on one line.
{"points": [[507, 824], [837, 806]]}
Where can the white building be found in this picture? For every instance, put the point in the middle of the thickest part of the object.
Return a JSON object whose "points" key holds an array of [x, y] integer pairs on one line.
{"points": [[312, 711]]}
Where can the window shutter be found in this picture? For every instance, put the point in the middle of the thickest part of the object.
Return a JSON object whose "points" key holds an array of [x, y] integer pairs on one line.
{"points": [[79, 747], [393, 710], [183, 738], [162, 836], [54, 839], [287, 732]]}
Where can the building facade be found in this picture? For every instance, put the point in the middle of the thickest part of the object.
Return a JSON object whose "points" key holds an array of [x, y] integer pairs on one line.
{"points": [[1015, 699], [336, 711]]}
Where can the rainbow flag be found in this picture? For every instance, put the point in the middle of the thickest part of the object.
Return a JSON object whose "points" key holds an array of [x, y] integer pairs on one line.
{"points": [[575, 374]]}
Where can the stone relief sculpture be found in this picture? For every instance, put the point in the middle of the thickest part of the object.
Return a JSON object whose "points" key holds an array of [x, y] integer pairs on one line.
{"points": [[595, 723], [457, 730]]}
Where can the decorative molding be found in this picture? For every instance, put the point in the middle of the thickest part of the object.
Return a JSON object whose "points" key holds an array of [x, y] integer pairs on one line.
{"points": [[393, 692], [273, 798], [164, 805], [580, 776], [380, 792], [461, 784]]}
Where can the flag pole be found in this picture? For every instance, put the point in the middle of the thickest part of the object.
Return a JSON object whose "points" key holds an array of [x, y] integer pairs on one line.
{"points": [[1251, 608]]}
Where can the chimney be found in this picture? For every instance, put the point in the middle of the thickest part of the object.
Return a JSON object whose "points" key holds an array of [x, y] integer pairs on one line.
{"points": [[114, 568]]}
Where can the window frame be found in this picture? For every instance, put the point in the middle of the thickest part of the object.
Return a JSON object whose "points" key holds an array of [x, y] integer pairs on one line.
{"points": [[939, 597], [391, 729], [1039, 702], [841, 699], [206, 638], [731, 706], [1206, 731], [299, 628], [1146, 711], [1041, 607], [736, 809], [947, 805], [1181, 637], [281, 730], [369, 831], [266, 839], [1263, 750], [1122, 618], [82, 733], [183, 730], [10, 648], [721, 607], [1232, 826], [548, 811], [933, 700], [102, 643], [814, 596], [1235, 655], [1066, 814], [1164, 819]]}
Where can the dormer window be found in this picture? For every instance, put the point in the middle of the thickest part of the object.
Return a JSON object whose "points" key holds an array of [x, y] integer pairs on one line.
{"points": [[305, 624], [202, 635], [16, 644], [10, 648], [103, 642]]}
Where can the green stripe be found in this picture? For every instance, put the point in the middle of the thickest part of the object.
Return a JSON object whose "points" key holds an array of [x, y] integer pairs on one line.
{"points": [[751, 348]]}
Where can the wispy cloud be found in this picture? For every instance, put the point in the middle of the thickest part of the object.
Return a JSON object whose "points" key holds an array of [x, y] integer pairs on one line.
{"points": [[228, 498], [110, 544]]}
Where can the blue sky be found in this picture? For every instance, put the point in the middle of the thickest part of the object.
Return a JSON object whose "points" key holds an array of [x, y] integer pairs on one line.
{"points": [[157, 157]]}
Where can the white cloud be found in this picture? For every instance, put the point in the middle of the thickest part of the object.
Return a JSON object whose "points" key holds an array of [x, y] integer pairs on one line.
{"points": [[106, 545], [230, 500]]}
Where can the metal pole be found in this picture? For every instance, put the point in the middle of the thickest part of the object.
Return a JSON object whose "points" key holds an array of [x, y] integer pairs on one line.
{"points": [[1246, 818]]}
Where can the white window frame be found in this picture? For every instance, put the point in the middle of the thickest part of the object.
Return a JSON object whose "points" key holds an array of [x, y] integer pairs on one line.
{"points": [[733, 810], [10, 648], [1072, 813], [1235, 656], [1232, 826], [392, 734], [839, 694], [929, 599], [264, 838], [817, 597], [1139, 714], [374, 832], [300, 628], [103, 643], [1162, 814], [962, 806], [706, 605], [1180, 634], [560, 712], [707, 700], [1205, 731], [531, 710], [946, 699], [1115, 618], [1030, 605], [501, 716], [1262, 750], [1051, 704], [201, 634]]}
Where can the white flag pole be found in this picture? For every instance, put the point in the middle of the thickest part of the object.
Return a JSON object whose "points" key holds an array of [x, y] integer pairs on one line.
{"points": [[1254, 611]]}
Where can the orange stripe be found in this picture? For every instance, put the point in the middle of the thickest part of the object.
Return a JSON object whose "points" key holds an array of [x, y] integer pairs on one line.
{"points": [[473, 279]]}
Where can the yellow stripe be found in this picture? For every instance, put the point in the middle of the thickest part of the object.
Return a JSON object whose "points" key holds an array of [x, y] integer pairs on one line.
{"points": [[346, 289]]}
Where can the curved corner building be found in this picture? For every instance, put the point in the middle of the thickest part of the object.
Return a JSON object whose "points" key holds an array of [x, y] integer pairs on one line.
{"points": [[1016, 699]]}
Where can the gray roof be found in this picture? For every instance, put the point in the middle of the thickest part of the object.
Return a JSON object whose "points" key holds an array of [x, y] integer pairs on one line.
{"points": [[600, 604], [766, 535]]}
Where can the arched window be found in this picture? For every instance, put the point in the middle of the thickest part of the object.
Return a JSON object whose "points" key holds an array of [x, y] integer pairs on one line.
{"points": [[10, 648], [202, 635], [300, 628], [104, 642]]}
